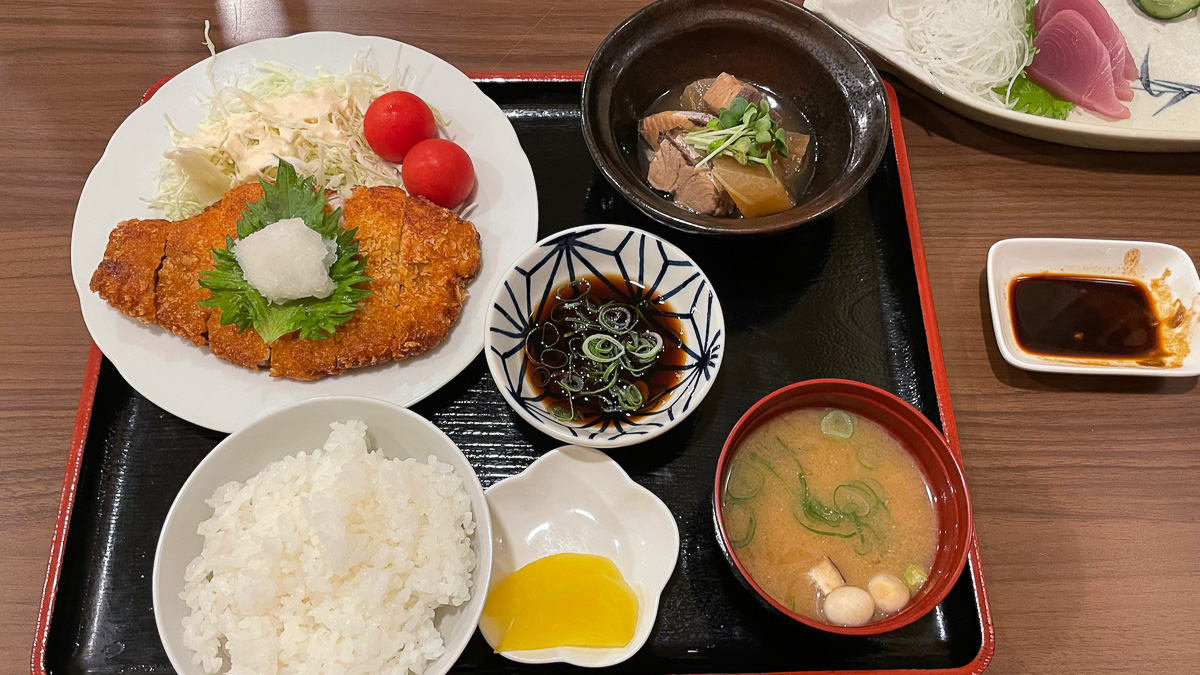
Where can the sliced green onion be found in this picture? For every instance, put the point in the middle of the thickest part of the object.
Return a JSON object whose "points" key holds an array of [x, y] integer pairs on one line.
{"points": [[579, 290], [914, 577], [571, 382], [735, 512], [870, 456], [646, 348], [837, 423], [616, 317], [853, 499], [745, 481], [630, 397], [605, 349], [854, 502], [826, 533], [877, 488], [602, 348], [554, 358]]}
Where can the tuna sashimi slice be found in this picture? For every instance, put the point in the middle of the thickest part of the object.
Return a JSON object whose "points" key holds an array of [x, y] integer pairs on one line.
{"points": [[1074, 64], [1123, 66]]}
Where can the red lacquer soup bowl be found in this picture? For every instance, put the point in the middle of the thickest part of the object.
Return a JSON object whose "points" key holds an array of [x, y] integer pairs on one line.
{"points": [[931, 454]]}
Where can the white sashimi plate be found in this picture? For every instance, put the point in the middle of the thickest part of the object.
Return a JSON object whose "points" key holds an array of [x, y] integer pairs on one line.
{"points": [[192, 383], [578, 500], [1165, 110]]}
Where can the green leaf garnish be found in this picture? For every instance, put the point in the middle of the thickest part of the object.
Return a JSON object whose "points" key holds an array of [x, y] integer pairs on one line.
{"points": [[316, 318], [743, 131], [1031, 97]]}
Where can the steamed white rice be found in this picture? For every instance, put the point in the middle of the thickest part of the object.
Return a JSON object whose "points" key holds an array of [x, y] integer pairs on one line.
{"points": [[331, 562]]}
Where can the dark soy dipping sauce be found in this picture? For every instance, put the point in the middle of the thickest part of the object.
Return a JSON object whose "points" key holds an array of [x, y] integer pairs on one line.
{"points": [[791, 119], [554, 350], [1079, 316]]}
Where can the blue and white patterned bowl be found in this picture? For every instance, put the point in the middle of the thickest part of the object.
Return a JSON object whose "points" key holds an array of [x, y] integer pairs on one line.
{"points": [[598, 250]]}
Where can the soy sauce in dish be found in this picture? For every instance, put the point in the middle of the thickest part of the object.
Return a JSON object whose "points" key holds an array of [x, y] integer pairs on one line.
{"points": [[604, 348], [1084, 317]]}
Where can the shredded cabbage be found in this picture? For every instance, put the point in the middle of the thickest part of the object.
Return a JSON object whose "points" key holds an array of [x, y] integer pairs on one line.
{"points": [[313, 122]]}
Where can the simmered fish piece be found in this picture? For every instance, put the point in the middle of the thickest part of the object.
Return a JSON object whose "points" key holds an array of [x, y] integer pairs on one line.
{"points": [[652, 127]]}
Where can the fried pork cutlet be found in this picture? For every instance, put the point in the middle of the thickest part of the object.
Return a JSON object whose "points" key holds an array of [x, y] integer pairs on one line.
{"points": [[241, 347], [125, 278], [188, 253], [439, 255], [367, 338], [298, 359], [420, 257]]}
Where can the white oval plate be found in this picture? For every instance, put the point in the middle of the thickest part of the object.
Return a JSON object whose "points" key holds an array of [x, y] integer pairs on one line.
{"points": [[578, 500], [193, 384], [1167, 49]]}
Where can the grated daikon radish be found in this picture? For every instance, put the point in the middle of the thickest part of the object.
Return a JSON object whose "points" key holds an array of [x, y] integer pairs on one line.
{"points": [[287, 260]]}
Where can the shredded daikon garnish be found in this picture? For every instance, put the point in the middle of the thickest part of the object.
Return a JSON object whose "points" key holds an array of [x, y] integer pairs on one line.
{"points": [[314, 122], [971, 46]]}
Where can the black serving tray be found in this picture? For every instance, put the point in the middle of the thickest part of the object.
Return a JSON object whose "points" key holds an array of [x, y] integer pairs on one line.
{"points": [[844, 297]]}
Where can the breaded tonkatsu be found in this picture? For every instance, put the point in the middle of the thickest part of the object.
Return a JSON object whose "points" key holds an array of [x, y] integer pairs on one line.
{"points": [[420, 258]]}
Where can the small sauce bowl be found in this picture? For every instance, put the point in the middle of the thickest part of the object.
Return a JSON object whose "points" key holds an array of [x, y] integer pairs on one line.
{"points": [[929, 450], [638, 258], [1166, 270]]}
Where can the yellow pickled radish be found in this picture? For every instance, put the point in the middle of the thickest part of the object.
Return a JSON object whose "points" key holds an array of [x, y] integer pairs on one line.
{"points": [[567, 599]]}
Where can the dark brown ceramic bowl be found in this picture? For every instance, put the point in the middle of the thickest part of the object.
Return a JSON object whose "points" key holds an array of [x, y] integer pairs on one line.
{"points": [[773, 43]]}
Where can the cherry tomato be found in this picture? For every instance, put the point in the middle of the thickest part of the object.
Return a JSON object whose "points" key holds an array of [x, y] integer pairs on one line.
{"points": [[440, 171], [397, 121]]}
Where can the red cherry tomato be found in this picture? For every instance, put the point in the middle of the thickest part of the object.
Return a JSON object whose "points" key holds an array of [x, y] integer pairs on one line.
{"points": [[397, 121], [440, 171]]}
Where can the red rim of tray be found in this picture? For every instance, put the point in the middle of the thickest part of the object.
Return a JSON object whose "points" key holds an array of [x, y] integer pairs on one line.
{"points": [[940, 381]]}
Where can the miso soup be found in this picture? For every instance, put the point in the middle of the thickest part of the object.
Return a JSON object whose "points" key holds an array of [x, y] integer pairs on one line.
{"points": [[819, 499]]}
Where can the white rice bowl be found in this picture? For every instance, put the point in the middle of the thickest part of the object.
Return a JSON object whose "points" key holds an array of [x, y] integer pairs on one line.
{"points": [[333, 561]]}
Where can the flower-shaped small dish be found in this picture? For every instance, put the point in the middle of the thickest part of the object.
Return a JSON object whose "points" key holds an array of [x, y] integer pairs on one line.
{"points": [[630, 262], [1167, 271], [578, 500]]}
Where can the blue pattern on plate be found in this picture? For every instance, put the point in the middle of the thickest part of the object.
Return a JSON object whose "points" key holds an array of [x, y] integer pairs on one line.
{"points": [[1158, 88], [642, 260]]}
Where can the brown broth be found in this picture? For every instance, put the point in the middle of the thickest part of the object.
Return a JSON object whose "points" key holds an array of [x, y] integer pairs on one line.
{"points": [[781, 550], [792, 119], [1080, 316], [553, 330]]}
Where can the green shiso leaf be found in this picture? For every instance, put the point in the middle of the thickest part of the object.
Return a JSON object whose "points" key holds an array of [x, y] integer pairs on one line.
{"points": [[1031, 97], [315, 318]]}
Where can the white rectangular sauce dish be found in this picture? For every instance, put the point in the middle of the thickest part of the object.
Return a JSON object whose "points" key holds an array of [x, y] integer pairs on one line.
{"points": [[1136, 260]]}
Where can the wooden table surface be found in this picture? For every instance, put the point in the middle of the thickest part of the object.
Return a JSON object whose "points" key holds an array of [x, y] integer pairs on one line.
{"points": [[1086, 489]]}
